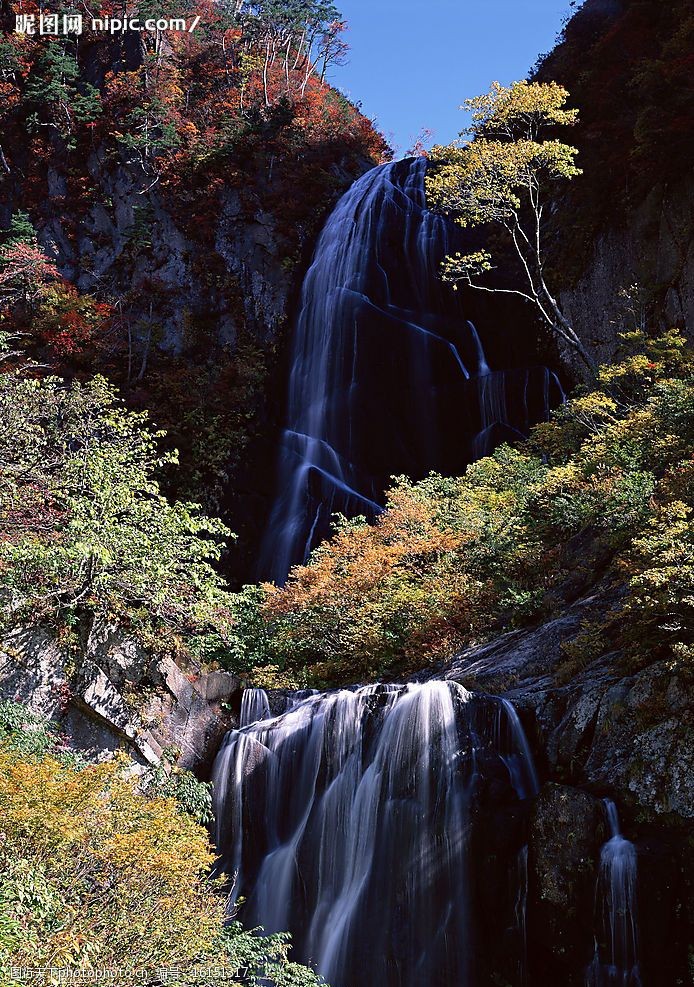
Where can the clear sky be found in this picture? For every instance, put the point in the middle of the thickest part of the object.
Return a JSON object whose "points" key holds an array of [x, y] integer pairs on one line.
{"points": [[413, 62]]}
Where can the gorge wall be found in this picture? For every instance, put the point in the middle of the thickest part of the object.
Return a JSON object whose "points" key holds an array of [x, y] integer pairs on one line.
{"points": [[625, 64], [652, 252], [178, 197]]}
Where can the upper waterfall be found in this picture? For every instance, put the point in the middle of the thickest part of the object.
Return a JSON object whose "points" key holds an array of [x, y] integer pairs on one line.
{"points": [[387, 376]]}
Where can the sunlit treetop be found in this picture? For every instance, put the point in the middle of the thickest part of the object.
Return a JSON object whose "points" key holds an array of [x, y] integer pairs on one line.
{"points": [[524, 107], [504, 171]]}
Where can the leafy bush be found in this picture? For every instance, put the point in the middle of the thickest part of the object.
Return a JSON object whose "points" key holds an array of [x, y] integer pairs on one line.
{"points": [[166, 780], [83, 525], [31, 735], [94, 874], [453, 561]]}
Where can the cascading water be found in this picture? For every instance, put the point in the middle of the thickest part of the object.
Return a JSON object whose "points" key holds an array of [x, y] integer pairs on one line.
{"points": [[255, 706], [350, 821], [387, 377], [616, 961]]}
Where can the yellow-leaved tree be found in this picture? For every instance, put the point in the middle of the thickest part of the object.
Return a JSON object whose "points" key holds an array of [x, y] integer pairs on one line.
{"points": [[504, 171], [101, 870]]}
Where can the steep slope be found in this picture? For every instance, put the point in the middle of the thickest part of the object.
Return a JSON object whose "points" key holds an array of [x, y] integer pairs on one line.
{"points": [[628, 67], [599, 730], [177, 180]]}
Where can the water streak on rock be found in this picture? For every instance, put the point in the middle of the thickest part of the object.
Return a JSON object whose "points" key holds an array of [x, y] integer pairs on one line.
{"points": [[616, 961]]}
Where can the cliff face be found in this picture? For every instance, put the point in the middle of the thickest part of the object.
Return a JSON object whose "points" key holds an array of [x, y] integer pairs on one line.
{"points": [[652, 253], [177, 186], [251, 289], [109, 693], [628, 222], [236, 274], [598, 731]]}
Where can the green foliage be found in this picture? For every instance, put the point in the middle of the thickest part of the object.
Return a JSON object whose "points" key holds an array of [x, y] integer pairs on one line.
{"points": [[140, 233], [255, 959], [21, 230], [63, 98], [211, 414], [84, 525], [168, 781], [31, 735], [455, 560], [661, 601]]}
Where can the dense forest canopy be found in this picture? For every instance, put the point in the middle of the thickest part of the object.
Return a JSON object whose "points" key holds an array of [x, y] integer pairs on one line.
{"points": [[628, 65]]}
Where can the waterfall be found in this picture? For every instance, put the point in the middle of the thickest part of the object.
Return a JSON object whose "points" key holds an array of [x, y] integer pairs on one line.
{"points": [[387, 376], [616, 962], [255, 706], [350, 819], [518, 757]]}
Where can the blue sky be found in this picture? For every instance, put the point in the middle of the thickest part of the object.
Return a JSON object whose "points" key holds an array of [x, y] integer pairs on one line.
{"points": [[413, 62]]}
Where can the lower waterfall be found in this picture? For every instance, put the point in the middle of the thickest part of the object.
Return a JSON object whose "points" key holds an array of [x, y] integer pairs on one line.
{"points": [[616, 961], [352, 820]]}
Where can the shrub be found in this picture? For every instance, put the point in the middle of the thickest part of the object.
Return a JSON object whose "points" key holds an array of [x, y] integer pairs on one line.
{"points": [[96, 874], [83, 525], [452, 561]]}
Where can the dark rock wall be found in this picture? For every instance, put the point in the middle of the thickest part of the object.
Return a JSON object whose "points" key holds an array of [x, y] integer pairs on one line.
{"points": [[602, 729], [112, 694], [653, 252]]}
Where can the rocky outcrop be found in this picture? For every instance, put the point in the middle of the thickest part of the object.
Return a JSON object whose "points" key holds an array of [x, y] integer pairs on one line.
{"points": [[195, 269], [113, 694], [561, 886], [132, 237], [653, 252], [600, 727], [624, 732]]}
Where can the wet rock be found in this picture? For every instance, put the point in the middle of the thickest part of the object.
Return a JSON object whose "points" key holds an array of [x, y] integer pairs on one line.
{"points": [[624, 732], [567, 829], [608, 728]]}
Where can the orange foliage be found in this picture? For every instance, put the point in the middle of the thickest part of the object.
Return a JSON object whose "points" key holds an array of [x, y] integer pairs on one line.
{"points": [[374, 593]]}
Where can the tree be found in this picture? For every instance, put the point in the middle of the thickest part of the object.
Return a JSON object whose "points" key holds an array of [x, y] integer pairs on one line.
{"points": [[97, 873], [20, 230], [295, 35], [63, 100], [25, 272], [83, 525], [504, 173]]}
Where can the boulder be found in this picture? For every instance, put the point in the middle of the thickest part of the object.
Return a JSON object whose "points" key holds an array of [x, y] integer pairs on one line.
{"points": [[567, 829], [117, 695]]}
